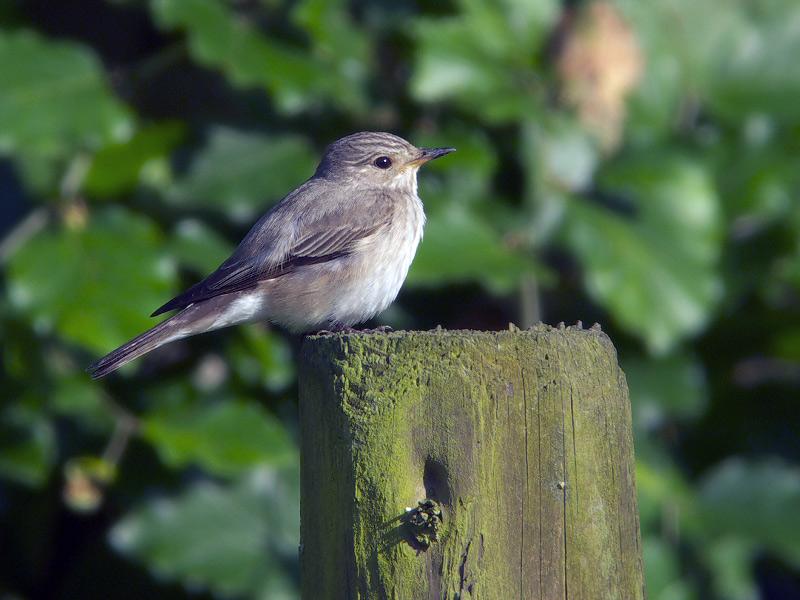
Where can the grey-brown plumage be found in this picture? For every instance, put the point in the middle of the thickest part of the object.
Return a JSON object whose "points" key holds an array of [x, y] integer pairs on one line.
{"points": [[333, 253]]}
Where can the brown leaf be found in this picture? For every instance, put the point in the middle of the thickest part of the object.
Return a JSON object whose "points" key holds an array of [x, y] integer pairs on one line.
{"points": [[599, 63]]}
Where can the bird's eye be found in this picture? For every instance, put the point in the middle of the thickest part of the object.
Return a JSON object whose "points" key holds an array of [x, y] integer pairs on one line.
{"points": [[383, 162]]}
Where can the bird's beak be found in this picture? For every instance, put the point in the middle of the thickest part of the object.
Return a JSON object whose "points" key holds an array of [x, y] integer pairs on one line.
{"points": [[427, 154]]}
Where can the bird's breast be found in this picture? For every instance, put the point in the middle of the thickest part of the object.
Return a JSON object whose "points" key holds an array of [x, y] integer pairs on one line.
{"points": [[384, 262], [354, 288], [398, 247]]}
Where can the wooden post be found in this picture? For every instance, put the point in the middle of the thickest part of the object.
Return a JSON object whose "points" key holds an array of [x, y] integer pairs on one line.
{"points": [[520, 442]]}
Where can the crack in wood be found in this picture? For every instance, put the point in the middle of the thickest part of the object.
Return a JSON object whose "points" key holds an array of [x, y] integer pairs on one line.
{"points": [[564, 492], [527, 488], [462, 568]]}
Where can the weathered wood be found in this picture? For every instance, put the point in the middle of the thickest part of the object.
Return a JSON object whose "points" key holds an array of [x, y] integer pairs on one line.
{"points": [[523, 438]]}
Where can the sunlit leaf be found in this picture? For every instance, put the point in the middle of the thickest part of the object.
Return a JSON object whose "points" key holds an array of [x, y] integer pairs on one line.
{"points": [[654, 270], [337, 41], [528, 23], [244, 173], [221, 38], [664, 492], [198, 247], [560, 158], [95, 284], [483, 59], [753, 68], [226, 438], [562, 155], [229, 540], [118, 167], [663, 571], [730, 559], [735, 57], [450, 65], [54, 97]]}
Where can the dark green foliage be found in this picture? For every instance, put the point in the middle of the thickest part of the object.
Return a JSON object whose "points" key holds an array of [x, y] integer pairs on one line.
{"points": [[629, 162]]}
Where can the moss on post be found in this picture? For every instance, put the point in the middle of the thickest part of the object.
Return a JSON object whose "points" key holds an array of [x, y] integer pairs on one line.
{"points": [[462, 464]]}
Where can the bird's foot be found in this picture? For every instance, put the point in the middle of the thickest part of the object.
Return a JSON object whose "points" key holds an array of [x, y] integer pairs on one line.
{"points": [[379, 329], [336, 328], [347, 329]]}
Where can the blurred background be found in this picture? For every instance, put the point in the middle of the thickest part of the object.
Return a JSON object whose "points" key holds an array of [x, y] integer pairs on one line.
{"points": [[631, 163]]}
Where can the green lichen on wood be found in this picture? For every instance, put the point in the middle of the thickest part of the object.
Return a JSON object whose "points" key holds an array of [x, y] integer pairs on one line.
{"points": [[521, 438]]}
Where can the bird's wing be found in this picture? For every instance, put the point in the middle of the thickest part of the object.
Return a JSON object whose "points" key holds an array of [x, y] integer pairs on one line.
{"points": [[325, 238]]}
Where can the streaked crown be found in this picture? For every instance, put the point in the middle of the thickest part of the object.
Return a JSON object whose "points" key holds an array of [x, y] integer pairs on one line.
{"points": [[361, 150]]}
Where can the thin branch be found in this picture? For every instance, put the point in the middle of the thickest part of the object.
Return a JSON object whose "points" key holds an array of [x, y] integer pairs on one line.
{"points": [[25, 230]]}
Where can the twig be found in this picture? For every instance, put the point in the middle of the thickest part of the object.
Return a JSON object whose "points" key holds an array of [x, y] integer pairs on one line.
{"points": [[25, 230]]}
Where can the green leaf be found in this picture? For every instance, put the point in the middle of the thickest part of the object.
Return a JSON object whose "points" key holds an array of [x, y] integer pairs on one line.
{"points": [[730, 561], [760, 189], [655, 271], [227, 539], [753, 68], [756, 501], [561, 154], [451, 65], [94, 284], [221, 38], [54, 101], [117, 168], [77, 397], [663, 490], [27, 446], [262, 357], [243, 173], [226, 438], [528, 23], [469, 169], [485, 57], [198, 247], [673, 35], [458, 247], [337, 41], [672, 387], [735, 57], [662, 571], [560, 158]]}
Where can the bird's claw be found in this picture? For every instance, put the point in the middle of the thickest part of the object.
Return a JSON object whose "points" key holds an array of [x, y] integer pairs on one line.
{"points": [[347, 329]]}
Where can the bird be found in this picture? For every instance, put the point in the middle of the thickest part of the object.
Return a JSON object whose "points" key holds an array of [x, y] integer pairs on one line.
{"points": [[331, 254]]}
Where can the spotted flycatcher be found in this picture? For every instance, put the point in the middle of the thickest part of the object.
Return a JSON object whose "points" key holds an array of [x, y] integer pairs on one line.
{"points": [[331, 254]]}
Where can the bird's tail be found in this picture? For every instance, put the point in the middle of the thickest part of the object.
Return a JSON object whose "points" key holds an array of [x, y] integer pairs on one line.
{"points": [[167, 331]]}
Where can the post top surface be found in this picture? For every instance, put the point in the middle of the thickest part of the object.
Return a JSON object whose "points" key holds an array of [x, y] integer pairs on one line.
{"points": [[538, 329], [347, 343]]}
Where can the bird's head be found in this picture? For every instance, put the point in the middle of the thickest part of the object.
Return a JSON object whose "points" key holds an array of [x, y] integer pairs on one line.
{"points": [[375, 159]]}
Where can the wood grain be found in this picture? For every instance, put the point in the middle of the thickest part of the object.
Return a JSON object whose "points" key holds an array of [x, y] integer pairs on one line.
{"points": [[523, 438]]}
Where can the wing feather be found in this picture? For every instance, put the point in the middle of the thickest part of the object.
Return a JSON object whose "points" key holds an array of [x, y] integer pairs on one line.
{"points": [[326, 238]]}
